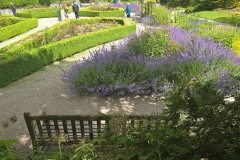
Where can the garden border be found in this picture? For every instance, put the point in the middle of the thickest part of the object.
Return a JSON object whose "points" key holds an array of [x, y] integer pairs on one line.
{"points": [[16, 67], [88, 13], [18, 28], [46, 14]]}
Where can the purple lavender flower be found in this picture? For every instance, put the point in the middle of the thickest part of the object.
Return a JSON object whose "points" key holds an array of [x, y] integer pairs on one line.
{"points": [[122, 71], [148, 20]]}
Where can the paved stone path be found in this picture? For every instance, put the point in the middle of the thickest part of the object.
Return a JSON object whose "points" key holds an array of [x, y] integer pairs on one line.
{"points": [[44, 89]]}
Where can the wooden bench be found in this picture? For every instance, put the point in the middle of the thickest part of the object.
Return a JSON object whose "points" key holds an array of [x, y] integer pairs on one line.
{"points": [[43, 129]]}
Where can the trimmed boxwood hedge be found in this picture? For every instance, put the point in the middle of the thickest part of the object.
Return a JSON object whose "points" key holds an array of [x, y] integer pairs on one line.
{"points": [[20, 27], [38, 13], [16, 67], [6, 21], [86, 12]]}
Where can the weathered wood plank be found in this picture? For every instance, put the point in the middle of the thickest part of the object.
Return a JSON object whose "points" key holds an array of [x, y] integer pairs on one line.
{"points": [[90, 129], [74, 130], [39, 126], [82, 129], [49, 132], [65, 126], [56, 127], [78, 127]]}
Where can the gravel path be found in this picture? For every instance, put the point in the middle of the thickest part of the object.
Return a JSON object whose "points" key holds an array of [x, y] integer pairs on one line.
{"points": [[44, 89]]}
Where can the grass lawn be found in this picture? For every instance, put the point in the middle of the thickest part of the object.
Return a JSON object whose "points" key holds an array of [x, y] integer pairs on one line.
{"points": [[220, 16]]}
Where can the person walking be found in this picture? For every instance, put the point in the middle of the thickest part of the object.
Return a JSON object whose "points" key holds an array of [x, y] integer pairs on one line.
{"points": [[65, 11], [14, 9], [128, 10], [75, 9]]}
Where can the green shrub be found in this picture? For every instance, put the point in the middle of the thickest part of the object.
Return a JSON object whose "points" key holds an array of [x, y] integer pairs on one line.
{"points": [[161, 15], [197, 123], [16, 67], [17, 3], [226, 35], [22, 26], [5, 151], [220, 33], [5, 21], [38, 13], [45, 2], [190, 9], [87, 12], [153, 44], [212, 123]]}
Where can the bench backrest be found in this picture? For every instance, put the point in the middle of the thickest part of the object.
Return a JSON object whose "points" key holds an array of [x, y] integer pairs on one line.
{"points": [[43, 129]]}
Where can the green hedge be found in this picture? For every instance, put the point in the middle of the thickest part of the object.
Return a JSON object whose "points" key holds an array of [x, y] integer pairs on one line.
{"points": [[6, 21], [17, 3], [85, 12], [20, 27], [38, 13], [16, 67]]}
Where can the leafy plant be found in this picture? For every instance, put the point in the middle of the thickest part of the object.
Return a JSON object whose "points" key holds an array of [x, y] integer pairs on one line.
{"points": [[201, 110], [153, 63], [161, 14], [5, 151], [151, 43]]}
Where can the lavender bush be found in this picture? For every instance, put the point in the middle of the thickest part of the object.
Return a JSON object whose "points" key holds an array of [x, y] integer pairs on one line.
{"points": [[220, 33], [125, 70], [224, 34]]}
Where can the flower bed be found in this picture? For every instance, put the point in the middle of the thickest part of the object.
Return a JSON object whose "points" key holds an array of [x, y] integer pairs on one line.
{"points": [[15, 62], [225, 34], [156, 63], [38, 13], [12, 26], [103, 11]]}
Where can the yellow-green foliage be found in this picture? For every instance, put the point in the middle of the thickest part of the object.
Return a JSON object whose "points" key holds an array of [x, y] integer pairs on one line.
{"points": [[20, 27], [153, 1], [38, 13], [31, 60], [6, 3], [236, 46], [161, 14]]}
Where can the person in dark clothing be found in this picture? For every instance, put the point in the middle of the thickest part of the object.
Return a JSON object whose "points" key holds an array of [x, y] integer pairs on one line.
{"points": [[14, 9], [75, 8], [128, 10]]}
